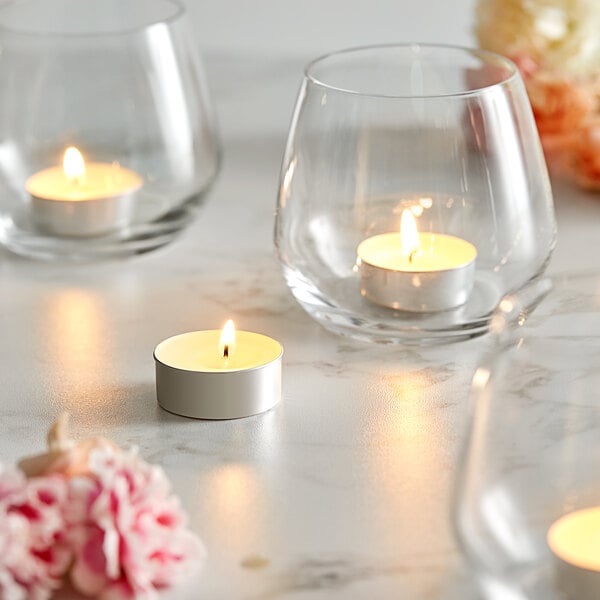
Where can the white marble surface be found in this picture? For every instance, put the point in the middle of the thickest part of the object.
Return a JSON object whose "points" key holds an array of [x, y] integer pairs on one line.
{"points": [[345, 487]]}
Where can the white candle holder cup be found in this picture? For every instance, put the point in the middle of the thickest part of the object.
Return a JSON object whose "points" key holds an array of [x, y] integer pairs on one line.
{"points": [[108, 139], [413, 194], [527, 502], [197, 379]]}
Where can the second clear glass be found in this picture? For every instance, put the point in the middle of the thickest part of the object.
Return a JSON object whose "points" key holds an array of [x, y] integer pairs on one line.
{"points": [[121, 83], [444, 133]]}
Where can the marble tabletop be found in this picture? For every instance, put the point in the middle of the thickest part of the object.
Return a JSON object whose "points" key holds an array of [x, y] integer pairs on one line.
{"points": [[344, 489]]}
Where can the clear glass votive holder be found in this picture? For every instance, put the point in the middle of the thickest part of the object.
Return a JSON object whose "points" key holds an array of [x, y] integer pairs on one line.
{"points": [[527, 507], [107, 136], [413, 193]]}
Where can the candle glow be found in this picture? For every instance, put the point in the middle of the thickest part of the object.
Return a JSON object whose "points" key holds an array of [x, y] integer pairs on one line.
{"points": [[73, 164], [409, 236], [574, 539], [227, 339]]}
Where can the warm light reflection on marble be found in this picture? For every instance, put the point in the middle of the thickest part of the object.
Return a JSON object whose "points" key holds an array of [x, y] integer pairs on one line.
{"points": [[75, 321], [410, 389], [77, 348], [233, 497], [409, 457]]}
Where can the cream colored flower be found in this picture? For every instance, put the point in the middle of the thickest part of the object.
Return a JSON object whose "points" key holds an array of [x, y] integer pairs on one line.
{"points": [[560, 35]]}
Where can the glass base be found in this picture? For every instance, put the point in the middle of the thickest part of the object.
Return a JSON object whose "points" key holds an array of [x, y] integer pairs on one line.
{"points": [[360, 319], [138, 238]]}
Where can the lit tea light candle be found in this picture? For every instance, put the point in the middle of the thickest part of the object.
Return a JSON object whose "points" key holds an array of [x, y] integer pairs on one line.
{"points": [[417, 272], [575, 542], [82, 199], [218, 374]]}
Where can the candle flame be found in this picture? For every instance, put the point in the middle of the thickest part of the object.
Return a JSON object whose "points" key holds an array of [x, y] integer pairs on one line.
{"points": [[227, 339], [409, 236], [73, 164]]}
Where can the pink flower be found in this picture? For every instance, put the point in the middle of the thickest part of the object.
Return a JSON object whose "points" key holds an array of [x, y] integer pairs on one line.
{"points": [[123, 532], [33, 553], [587, 155], [128, 531]]}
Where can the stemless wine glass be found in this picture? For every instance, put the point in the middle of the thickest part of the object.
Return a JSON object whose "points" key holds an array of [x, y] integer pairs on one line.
{"points": [[527, 510], [119, 85], [443, 133]]}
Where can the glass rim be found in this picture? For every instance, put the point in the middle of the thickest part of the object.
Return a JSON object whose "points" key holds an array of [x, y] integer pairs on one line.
{"points": [[178, 11], [486, 55]]}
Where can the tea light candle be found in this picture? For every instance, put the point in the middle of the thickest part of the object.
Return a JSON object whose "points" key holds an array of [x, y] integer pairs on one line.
{"points": [[218, 374], [82, 199], [417, 272], [574, 540]]}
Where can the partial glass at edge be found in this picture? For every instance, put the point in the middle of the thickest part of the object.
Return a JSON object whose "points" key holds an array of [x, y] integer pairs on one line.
{"points": [[121, 80], [445, 132], [532, 451]]}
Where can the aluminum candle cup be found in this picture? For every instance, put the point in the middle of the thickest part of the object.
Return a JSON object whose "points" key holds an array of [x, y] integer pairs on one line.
{"points": [[199, 376], [81, 200], [436, 275], [82, 218], [575, 542]]}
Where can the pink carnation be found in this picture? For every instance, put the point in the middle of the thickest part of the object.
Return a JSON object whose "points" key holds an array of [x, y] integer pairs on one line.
{"points": [[33, 554], [128, 531], [103, 512]]}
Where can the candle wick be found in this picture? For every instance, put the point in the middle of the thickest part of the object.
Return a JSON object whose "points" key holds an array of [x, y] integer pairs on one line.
{"points": [[411, 256], [226, 351]]}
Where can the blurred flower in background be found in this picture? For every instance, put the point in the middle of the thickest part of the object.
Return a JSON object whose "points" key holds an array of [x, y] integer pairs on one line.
{"points": [[556, 46]]}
